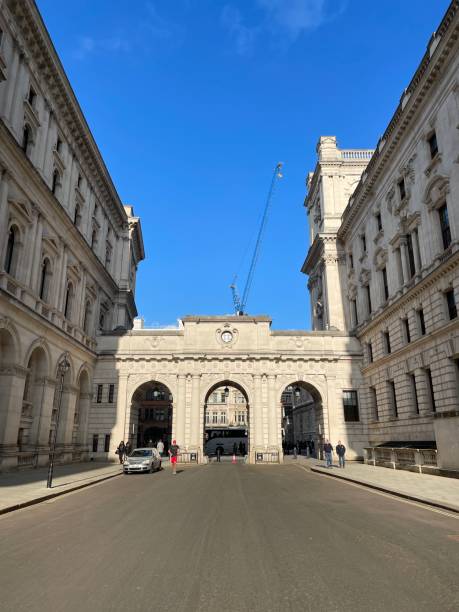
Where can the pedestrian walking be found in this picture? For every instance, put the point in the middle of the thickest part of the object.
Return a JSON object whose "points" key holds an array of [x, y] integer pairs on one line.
{"points": [[328, 450], [295, 451], [174, 451], [219, 452], [120, 451], [341, 452], [160, 448], [235, 448], [127, 449]]}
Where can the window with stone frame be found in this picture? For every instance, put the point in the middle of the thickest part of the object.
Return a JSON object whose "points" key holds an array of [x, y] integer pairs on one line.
{"points": [[378, 221], [401, 189], [445, 228], [107, 443], [433, 144], [451, 304], [430, 389], [406, 330], [393, 398], [32, 97], [56, 182], [68, 303], [12, 251], [421, 321], [374, 402], [26, 138], [99, 394], [95, 443], [111, 393], [410, 252], [414, 393], [386, 341], [45, 280], [384, 283], [350, 406], [367, 291], [77, 215], [363, 242], [370, 352]]}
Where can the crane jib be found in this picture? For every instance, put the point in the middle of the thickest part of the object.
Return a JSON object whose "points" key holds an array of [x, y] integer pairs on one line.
{"points": [[240, 304]]}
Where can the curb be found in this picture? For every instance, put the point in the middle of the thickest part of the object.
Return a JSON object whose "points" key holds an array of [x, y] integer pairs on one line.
{"points": [[39, 500], [419, 500]]}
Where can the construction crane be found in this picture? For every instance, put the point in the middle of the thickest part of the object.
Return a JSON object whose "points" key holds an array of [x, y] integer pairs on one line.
{"points": [[240, 304]]}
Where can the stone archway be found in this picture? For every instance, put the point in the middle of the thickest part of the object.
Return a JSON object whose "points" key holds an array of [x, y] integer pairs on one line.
{"points": [[152, 416], [226, 421], [303, 423]]}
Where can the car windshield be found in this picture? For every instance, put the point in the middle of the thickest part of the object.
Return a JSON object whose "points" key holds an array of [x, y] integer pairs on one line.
{"points": [[141, 452]]}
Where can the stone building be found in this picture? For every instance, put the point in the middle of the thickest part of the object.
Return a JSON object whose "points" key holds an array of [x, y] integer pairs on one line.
{"points": [[206, 354], [69, 249], [394, 256]]}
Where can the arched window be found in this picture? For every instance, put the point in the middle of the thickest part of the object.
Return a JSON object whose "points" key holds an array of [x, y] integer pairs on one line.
{"points": [[45, 279], [87, 317], [11, 250], [56, 182], [68, 301], [26, 137]]}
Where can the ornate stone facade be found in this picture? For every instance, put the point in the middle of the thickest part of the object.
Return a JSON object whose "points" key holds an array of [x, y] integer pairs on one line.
{"points": [[193, 360], [397, 246], [68, 248]]}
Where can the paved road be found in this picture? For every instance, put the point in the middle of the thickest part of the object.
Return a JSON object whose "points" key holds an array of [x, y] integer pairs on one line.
{"points": [[224, 538]]}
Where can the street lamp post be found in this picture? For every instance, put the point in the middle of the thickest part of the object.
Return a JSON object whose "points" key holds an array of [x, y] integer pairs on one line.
{"points": [[62, 370]]}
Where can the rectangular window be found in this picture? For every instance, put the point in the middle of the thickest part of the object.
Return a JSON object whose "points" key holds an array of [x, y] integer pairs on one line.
{"points": [[431, 390], [368, 293], [401, 189], [215, 417], [378, 221], [350, 406], [451, 304], [363, 240], [444, 226], [433, 145], [99, 393], [95, 443], [387, 342], [393, 398], [421, 321], [385, 285], [406, 330], [111, 393], [355, 318], [414, 393], [59, 145], [107, 443], [223, 418], [370, 352], [31, 97], [374, 402], [411, 264], [351, 261]]}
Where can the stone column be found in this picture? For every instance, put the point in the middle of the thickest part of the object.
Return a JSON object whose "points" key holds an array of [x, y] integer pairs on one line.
{"points": [[273, 421], [62, 286], [44, 421], [12, 78], [12, 381], [195, 412], [179, 415], [416, 251], [66, 416], [257, 421], [404, 256], [4, 213], [34, 258]]}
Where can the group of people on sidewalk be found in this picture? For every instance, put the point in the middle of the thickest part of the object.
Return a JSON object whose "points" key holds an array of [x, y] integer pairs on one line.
{"points": [[340, 451]]}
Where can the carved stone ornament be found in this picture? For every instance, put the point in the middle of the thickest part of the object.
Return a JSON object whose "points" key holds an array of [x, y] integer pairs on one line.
{"points": [[380, 258], [155, 341], [227, 336]]}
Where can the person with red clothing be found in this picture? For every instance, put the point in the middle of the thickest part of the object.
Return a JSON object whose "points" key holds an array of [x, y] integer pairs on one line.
{"points": [[173, 453]]}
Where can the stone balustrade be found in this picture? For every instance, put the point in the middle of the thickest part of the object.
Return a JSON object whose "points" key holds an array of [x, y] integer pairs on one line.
{"points": [[412, 459]]}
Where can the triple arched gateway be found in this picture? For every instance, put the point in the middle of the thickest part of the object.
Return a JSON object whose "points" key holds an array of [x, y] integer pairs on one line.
{"points": [[197, 374]]}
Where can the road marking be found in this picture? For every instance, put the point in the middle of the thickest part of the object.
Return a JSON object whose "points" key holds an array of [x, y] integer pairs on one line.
{"points": [[425, 505]]}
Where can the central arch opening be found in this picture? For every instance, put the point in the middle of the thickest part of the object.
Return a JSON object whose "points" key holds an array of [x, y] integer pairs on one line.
{"points": [[154, 403], [226, 422], [302, 419]]}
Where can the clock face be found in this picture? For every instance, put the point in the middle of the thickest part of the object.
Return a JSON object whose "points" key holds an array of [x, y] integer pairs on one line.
{"points": [[227, 336]]}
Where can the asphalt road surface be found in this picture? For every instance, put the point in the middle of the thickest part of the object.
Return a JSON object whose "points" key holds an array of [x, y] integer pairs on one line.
{"points": [[228, 538]]}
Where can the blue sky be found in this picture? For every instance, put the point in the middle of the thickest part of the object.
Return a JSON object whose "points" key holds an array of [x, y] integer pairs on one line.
{"points": [[193, 102]]}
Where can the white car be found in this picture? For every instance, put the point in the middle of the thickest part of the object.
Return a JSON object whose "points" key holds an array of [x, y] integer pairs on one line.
{"points": [[142, 460]]}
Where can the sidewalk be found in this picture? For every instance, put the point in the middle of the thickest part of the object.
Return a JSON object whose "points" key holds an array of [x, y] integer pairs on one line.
{"points": [[434, 490], [27, 487]]}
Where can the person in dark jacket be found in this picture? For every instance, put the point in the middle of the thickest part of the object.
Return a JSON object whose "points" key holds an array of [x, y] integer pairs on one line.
{"points": [[328, 450], [120, 451], [341, 451]]}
